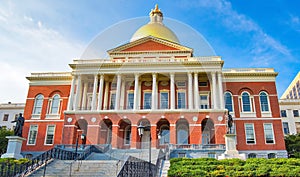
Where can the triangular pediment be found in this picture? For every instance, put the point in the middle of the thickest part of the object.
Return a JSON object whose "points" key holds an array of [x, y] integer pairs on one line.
{"points": [[150, 44]]}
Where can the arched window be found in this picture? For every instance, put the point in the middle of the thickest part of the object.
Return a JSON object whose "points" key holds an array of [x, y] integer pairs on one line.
{"points": [[228, 101], [246, 102], [264, 102], [38, 103], [182, 134], [271, 155], [127, 135], [164, 135], [55, 102]]}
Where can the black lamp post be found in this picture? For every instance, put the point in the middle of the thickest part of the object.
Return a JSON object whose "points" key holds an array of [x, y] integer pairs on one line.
{"points": [[77, 139], [141, 128]]}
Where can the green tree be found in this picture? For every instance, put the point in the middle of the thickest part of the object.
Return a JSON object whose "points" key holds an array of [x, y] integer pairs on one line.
{"points": [[292, 143], [3, 141]]}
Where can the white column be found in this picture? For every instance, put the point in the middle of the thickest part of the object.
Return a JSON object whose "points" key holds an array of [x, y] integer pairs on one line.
{"points": [[172, 88], [71, 97], [220, 85], [84, 97], [118, 92], [196, 91], [190, 90], [78, 88], [122, 95], [154, 91], [139, 95], [136, 92], [214, 88], [95, 87], [105, 105], [100, 93]]}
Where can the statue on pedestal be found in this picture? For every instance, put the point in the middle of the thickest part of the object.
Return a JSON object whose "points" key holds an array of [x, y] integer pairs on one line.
{"points": [[19, 125], [229, 123]]}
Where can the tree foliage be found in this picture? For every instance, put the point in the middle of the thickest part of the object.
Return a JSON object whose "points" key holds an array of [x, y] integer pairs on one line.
{"points": [[3, 141], [292, 143]]}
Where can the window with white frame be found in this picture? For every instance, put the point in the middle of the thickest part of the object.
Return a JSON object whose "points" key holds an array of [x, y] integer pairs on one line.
{"points": [[38, 103], [283, 113], [164, 100], [250, 136], [5, 117], [147, 100], [264, 102], [228, 101], [112, 100], [127, 135], [204, 103], [181, 100], [269, 134], [32, 134], [246, 102], [130, 97], [285, 126], [50, 135], [54, 104]]}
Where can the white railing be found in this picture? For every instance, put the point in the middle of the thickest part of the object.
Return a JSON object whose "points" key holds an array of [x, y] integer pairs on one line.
{"points": [[249, 70]]}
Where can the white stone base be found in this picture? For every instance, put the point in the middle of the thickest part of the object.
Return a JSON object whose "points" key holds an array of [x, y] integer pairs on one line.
{"points": [[14, 147], [231, 152]]}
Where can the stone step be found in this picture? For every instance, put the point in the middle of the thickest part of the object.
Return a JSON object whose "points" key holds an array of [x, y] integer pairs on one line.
{"points": [[104, 168], [165, 168]]}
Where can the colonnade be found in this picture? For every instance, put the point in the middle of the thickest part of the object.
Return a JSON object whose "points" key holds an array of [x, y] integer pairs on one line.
{"points": [[79, 90]]}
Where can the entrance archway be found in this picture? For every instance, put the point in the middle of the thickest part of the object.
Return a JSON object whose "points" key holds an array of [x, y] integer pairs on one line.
{"points": [[81, 129], [182, 131], [163, 127], [125, 134], [105, 131], [208, 131], [145, 141]]}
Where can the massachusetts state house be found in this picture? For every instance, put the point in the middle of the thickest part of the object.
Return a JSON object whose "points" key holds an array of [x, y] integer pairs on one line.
{"points": [[154, 81]]}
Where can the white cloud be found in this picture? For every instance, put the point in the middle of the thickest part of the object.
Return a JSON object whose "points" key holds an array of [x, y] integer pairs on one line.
{"points": [[263, 47], [28, 45]]}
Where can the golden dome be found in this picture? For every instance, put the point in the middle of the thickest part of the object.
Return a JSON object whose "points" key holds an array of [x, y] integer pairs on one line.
{"points": [[155, 28]]}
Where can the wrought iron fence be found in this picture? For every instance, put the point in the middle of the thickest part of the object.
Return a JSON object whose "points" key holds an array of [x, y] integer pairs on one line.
{"points": [[135, 167], [61, 152]]}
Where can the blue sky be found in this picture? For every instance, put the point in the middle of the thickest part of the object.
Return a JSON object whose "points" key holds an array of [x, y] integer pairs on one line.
{"points": [[45, 36]]}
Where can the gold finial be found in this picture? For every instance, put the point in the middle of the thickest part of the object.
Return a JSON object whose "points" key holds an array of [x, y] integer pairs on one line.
{"points": [[156, 10]]}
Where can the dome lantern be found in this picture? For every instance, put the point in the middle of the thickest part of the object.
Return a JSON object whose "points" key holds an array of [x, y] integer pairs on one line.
{"points": [[155, 28]]}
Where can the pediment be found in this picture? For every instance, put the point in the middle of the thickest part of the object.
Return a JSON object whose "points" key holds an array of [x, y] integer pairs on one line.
{"points": [[149, 44]]}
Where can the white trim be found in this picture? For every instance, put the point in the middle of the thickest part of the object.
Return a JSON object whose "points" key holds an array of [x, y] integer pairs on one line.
{"points": [[272, 133], [195, 125], [94, 126], [70, 126], [253, 129], [219, 125], [257, 118], [48, 120], [37, 131], [47, 134]]}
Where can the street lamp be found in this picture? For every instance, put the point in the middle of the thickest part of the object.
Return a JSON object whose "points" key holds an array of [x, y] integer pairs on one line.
{"points": [[77, 139], [141, 128]]}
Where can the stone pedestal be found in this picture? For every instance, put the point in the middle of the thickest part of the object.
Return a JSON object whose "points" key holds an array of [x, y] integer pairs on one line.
{"points": [[14, 147], [231, 152]]}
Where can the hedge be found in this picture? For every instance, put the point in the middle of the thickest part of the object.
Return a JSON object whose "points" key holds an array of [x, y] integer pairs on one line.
{"points": [[186, 167]]}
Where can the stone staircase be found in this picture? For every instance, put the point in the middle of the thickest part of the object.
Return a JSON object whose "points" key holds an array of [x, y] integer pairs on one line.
{"points": [[165, 168], [62, 168], [97, 164]]}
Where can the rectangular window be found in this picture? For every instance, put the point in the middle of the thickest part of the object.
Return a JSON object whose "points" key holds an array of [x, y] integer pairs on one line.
{"points": [[181, 100], [5, 117], [250, 137], [112, 101], [164, 100], [269, 134], [285, 128], [130, 97], [180, 84], [296, 113], [50, 135], [147, 100], [204, 102], [283, 113], [203, 84], [32, 134]]}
